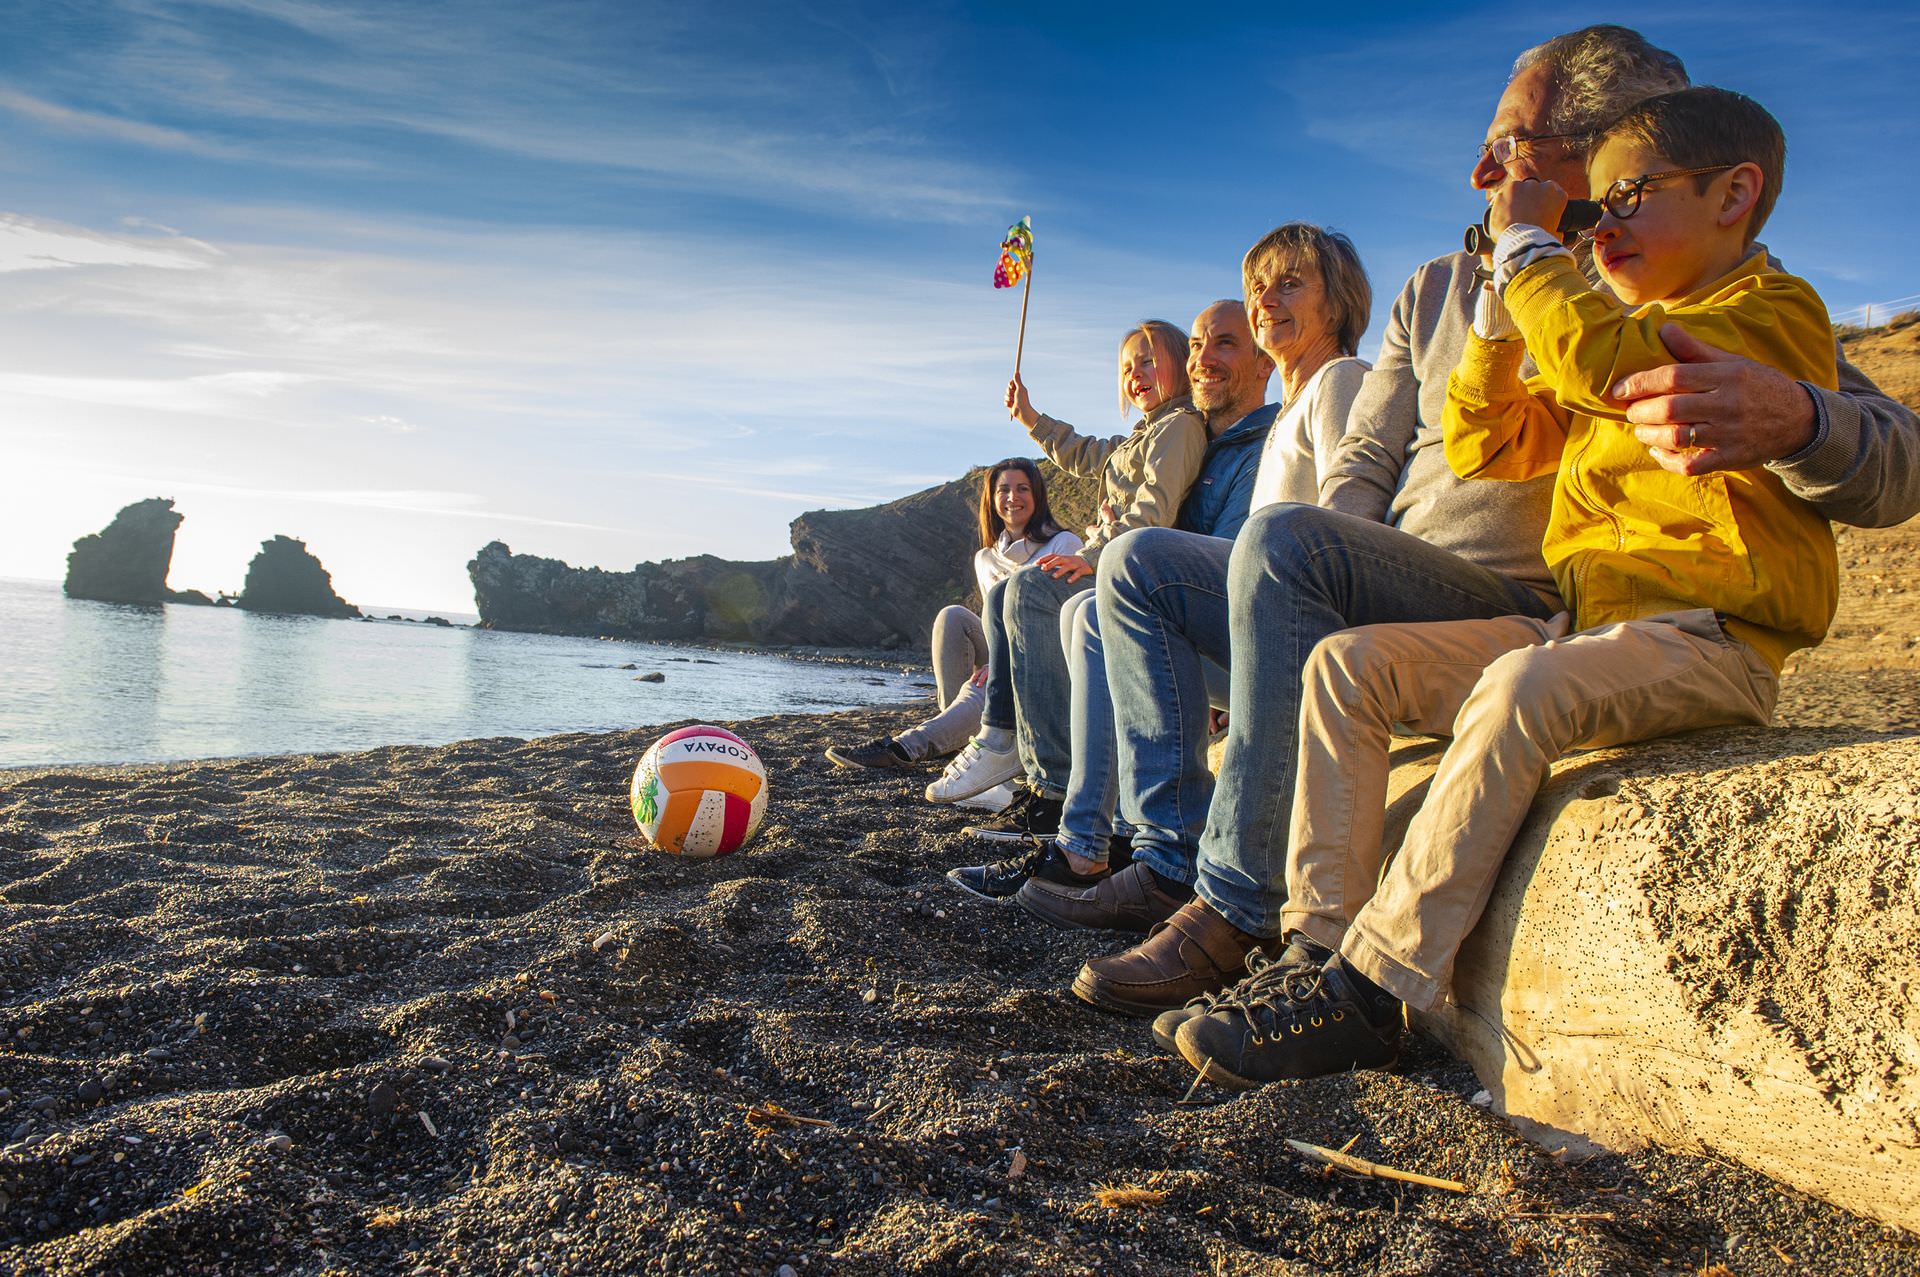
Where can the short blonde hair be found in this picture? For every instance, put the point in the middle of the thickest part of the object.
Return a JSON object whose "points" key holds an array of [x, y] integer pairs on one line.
{"points": [[1349, 293]]}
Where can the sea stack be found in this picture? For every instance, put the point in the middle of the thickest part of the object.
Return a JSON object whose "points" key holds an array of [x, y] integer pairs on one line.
{"points": [[126, 561], [285, 577]]}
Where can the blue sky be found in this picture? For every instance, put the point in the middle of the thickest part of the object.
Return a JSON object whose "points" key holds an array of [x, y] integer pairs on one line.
{"points": [[625, 281]]}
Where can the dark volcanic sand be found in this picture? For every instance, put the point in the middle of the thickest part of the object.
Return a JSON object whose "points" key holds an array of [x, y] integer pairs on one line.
{"points": [[235, 993]]}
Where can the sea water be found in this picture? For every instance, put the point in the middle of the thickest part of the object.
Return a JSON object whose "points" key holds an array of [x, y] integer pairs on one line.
{"points": [[85, 682]]}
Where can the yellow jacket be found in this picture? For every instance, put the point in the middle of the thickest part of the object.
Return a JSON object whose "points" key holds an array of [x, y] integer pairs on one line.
{"points": [[1625, 538]]}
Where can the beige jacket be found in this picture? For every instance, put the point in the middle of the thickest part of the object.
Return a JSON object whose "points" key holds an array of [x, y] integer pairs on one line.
{"points": [[1144, 476]]}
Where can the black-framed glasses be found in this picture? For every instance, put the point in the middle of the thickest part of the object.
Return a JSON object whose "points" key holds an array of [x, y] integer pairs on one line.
{"points": [[1505, 150], [1623, 197]]}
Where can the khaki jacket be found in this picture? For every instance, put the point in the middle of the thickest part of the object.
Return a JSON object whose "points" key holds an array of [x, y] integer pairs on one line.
{"points": [[1143, 475]]}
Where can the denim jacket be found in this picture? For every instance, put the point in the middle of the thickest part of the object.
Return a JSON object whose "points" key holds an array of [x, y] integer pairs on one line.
{"points": [[1221, 497]]}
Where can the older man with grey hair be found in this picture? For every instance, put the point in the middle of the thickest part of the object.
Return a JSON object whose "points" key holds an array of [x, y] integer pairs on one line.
{"points": [[1396, 537]]}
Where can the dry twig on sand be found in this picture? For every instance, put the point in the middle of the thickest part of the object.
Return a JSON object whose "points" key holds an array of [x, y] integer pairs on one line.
{"points": [[764, 1117], [1372, 1170]]}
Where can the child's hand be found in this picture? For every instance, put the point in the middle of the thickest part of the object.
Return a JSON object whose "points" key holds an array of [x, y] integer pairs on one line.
{"points": [[1534, 201], [1064, 567], [1019, 407]]}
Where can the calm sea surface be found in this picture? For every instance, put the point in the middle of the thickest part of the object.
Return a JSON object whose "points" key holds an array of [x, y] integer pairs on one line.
{"points": [[88, 682]]}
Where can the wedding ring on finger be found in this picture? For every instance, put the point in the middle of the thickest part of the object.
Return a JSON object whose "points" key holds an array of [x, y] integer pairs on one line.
{"points": [[1691, 432]]}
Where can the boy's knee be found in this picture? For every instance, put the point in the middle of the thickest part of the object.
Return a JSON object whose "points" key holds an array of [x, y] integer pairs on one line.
{"points": [[1343, 664], [1526, 689], [953, 617]]}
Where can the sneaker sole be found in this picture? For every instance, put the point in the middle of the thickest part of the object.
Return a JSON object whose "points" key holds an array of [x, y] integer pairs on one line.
{"points": [[847, 764], [985, 833], [1221, 1075], [958, 885], [972, 790]]}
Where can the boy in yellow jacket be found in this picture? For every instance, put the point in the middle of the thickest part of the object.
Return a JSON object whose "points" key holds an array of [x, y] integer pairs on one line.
{"points": [[1685, 592]]}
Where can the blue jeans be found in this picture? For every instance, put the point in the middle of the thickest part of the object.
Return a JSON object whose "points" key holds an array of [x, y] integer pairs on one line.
{"points": [[1041, 685], [1295, 574], [1086, 821], [999, 707]]}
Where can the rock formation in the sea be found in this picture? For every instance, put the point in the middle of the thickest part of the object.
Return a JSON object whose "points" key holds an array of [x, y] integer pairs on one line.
{"points": [[872, 577], [285, 577], [126, 561]]}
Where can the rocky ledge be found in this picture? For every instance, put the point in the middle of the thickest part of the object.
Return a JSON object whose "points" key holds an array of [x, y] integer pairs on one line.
{"points": [[868, 578]]}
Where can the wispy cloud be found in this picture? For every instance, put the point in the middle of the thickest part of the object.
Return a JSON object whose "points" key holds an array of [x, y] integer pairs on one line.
{"points": [[669, 106], [70, 120], [30, 244]]}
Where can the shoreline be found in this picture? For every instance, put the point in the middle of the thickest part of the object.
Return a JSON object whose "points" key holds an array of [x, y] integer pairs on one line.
{"points": [[346, 1012]]}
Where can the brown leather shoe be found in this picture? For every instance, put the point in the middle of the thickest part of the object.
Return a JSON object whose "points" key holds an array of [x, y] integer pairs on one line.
{"points": [[1129, 900], [1195, 951]]}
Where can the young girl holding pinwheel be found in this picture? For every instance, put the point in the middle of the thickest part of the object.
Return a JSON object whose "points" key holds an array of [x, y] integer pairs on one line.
{"points": [[1144, 476]]}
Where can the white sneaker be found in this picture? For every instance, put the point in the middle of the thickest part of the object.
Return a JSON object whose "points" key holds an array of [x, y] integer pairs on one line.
{"points": [[999, 798], [974, 770]]}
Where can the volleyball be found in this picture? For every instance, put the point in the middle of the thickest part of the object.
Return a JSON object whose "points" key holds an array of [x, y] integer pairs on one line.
{"points": [[699, 791]]}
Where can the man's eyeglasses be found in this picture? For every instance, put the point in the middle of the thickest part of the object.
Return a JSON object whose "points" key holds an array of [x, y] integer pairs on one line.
{"points": [[1623, 197], [1505, 150]]}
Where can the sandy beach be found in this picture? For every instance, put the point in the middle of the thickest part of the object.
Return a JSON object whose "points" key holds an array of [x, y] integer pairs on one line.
{"points": [[437, 1010]]}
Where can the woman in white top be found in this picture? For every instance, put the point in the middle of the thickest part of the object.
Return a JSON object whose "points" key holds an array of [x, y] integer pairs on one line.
{"points": [[1308, 301], [1016, 527]]}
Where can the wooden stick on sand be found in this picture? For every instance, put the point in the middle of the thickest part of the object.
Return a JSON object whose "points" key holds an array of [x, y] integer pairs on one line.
{"points": [[1372, 1170]]}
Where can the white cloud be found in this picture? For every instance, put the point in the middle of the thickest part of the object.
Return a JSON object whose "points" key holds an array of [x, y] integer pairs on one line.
{"points": [[33, 244]]}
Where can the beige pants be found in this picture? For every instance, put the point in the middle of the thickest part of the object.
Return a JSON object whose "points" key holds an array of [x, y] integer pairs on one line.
{"points": [[1514, 694]]}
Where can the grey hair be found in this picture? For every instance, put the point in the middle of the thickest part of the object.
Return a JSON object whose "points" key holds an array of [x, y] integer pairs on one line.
{"points": [[1597, 73]]}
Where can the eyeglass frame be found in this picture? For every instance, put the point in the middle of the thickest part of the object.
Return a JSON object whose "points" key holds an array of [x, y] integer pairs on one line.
{"points": [[1637, 187], [1515, 141]]}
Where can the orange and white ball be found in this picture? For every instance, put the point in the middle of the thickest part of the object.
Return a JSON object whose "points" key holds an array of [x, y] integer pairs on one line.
{"points": [[700, 791]]}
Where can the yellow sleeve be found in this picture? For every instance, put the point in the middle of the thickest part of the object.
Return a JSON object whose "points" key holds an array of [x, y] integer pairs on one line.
{"points": [[1583, 343], [1496, 425]]}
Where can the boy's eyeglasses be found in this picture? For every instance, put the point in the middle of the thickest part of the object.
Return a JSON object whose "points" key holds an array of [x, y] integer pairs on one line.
{"points": [[1623, 197], [1504, 150]]}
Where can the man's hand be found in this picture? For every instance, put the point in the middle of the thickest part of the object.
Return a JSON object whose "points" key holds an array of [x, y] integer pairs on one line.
{"points": [[1534, 201], [1019, 407], [1064, 567], [1715, 410]]}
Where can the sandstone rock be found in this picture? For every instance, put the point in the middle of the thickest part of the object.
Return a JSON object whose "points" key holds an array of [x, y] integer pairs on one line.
{"points": [[126, 561], [873, 577], [1709, 942], [285, 577]]}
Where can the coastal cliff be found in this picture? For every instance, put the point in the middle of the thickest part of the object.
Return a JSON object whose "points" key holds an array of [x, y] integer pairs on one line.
{"points": [[871, 577]]}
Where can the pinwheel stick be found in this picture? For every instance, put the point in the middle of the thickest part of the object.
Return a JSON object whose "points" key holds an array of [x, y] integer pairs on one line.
{"points": [[1020, 346]]}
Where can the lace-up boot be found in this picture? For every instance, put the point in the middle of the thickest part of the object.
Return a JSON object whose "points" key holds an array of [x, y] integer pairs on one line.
{"points": [[1300, 953], [1293, 1023]]}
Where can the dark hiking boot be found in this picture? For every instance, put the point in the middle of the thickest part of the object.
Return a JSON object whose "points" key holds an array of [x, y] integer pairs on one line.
{"points": [[1294, 1023], [1001, 879], [1300, 953]]}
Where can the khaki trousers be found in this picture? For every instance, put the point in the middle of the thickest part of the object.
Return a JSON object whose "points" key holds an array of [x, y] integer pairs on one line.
{"points": [[1514, 693]]}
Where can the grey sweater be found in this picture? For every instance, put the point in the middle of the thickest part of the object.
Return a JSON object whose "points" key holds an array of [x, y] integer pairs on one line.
{"points": [[1863, 466]]}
